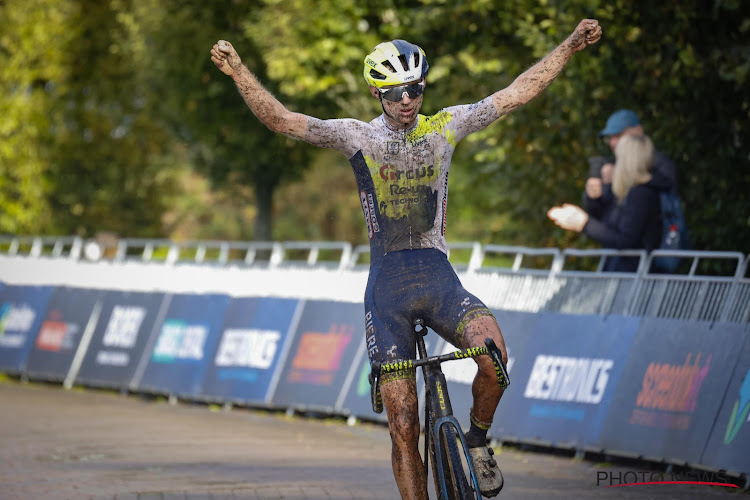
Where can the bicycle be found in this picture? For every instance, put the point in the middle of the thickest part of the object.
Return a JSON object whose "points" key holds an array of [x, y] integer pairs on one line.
{"points": [[442, 430]]}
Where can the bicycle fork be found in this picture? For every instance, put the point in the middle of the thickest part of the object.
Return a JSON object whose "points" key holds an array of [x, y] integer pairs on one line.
{"points": [[442, 416]]}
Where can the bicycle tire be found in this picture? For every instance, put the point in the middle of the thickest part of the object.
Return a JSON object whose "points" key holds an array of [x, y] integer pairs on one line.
{"points": [[457, 485]]}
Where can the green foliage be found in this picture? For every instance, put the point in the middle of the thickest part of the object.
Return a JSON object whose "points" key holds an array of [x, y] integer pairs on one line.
{"points": [[114, 117], [31, 54]]}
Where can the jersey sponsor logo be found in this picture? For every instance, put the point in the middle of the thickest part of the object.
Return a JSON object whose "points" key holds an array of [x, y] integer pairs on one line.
{"points": [[391, 173], [669, 393], [392, 147], [366, 211], [180, 341], [15, 322], [373, 217], [565, 379], [368, 208], [372, 347], [249, 348]]}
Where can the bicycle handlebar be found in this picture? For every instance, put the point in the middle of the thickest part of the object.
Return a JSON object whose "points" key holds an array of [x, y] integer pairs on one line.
{"points": [[490, 349]]}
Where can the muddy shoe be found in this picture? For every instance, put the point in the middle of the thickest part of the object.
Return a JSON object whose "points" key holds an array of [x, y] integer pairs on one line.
{"points": [[488, 473]]}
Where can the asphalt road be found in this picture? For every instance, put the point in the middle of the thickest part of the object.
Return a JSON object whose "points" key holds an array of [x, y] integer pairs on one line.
{"points": [[94, 444]]}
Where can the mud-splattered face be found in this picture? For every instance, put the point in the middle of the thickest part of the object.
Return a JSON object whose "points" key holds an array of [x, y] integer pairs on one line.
{"points": [[401, 114]]}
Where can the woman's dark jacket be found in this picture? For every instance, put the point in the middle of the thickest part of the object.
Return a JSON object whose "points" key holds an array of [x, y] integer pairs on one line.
{"points": [[633, 224]]}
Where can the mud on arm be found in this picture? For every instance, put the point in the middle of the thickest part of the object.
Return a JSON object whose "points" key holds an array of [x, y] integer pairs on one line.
{"points": [[534, 80]]}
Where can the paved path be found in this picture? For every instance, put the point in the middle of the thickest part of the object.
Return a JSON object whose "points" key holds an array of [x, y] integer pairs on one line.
{"points": [[92, 444]]}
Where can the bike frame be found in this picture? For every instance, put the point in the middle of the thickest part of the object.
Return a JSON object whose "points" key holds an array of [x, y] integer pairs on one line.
{"points": [[442, 410]]}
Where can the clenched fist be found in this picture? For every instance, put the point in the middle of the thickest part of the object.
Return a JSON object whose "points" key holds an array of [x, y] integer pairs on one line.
{"points": [[588, 32], [225, 57]]}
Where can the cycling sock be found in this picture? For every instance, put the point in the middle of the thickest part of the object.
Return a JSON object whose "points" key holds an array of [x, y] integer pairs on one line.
{"points": [[477, 435]]}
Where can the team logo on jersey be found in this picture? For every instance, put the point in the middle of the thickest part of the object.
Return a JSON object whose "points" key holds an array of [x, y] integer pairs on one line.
{"points": [[392, 147], [368, 208]]}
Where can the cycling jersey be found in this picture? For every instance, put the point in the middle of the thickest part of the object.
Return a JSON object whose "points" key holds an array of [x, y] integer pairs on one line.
{"points": [[402, 178], [402, 174]]}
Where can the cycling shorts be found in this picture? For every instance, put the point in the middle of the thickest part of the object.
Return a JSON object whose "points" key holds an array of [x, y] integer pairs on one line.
{"points": [[410, 284]]}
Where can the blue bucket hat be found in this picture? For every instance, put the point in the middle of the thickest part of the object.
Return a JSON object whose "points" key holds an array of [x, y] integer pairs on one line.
{"points": [[619, 121]]}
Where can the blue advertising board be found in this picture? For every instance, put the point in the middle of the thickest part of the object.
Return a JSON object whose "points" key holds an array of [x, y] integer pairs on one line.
{"points": [[69, 315], [119, 339], [459, 375], [671, 388], [729, 442], [255, 338], [177, 358], [564, 378], [22, 309], [326, 342]]}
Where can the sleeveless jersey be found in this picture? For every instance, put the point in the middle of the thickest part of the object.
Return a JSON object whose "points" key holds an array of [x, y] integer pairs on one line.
{"points": [[402, 174]]}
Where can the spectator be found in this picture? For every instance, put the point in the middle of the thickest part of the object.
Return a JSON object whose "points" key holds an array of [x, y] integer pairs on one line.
{"points": [[634, 220], [598, 198]]}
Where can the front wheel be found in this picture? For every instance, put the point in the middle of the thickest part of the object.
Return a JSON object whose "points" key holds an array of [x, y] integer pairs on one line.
{"points": [[455, 485]]}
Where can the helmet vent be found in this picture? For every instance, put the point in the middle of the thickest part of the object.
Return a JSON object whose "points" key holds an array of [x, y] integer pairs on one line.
{"points": [[404, 64], [377, 75]]}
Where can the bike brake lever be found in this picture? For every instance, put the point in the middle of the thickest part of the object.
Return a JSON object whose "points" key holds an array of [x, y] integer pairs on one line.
{"points": [[502, 373], [375, 398]]}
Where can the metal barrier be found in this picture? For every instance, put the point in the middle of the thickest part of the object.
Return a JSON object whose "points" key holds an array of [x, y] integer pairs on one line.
{"points": [[257, 253], [42, 246], [510, 277], [594, 292], [690, 296]]}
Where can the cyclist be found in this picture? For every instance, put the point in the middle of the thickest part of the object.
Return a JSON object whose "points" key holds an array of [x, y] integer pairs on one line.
{"points": [[400, 161]]}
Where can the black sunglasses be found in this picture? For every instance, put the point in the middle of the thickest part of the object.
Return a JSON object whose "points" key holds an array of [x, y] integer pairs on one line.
{"points": [[396, 94]]}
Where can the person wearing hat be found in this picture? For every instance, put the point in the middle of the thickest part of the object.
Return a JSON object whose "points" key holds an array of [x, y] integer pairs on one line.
{"points": [[598, 195], [633, 221]]}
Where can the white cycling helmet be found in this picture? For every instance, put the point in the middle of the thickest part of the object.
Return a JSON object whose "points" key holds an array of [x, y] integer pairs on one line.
{"points": [[397, 62]]}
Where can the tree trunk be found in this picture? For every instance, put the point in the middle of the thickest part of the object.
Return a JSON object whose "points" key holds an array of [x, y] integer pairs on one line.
{"points": [[263, 219]]}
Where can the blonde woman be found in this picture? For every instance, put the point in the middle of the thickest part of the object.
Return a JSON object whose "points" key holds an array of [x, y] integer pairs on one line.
{"points": [[635, 221]]}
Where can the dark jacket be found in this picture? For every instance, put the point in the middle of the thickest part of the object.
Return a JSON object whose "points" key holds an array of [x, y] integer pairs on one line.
{"points": [[600, 207], [633, 224]]}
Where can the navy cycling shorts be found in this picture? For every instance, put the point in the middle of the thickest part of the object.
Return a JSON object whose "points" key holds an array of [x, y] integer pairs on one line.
{"points": [[410, 284]]}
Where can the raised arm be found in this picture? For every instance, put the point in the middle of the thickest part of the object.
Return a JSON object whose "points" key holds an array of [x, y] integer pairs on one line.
{"points": [[534, 80], [266, 107]]}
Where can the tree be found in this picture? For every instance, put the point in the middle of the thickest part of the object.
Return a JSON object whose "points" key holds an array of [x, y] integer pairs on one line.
{"points": [[32, 55]]}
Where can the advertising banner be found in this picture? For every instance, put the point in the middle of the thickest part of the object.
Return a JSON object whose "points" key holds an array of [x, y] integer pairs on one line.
{"points": [[69, 314], [516, 328], [119, 339], [564, 378], [22, 309], [729, 442], [670, 390], [178, 356], [321, 356], [255, 339]]}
